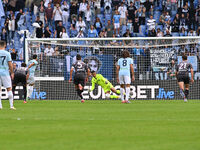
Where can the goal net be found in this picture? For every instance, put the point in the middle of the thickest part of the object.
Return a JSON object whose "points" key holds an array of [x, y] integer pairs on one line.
{"points": [[154, 65]]}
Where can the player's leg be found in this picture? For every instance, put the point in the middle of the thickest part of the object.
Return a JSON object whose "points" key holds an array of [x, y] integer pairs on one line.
{"points": [[8, 85], [30, 82], [25, 92], [107, 92], [187, 85], [0, 94], [127, 87], [115, 91], [181, 85], [77, 87]]}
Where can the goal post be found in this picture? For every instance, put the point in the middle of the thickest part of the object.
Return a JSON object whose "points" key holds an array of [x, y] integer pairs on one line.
{"points": [[153, 58]]}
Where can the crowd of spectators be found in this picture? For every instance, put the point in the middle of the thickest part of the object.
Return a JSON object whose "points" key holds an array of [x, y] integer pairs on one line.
{"points": [[97, 18]]}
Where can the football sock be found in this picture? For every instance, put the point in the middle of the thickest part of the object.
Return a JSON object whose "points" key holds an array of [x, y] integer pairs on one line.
{"points": [[186, 93], [114, 96], [122, 93], [182, 93], [79, 92], [118, 92], [127, 93], [0, 100], [13, 90], [25, 92], [10, 96], [30, 91]]}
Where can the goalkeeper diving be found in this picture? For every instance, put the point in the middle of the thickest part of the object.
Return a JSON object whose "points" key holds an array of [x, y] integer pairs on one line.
{"points": [[105, 84]]}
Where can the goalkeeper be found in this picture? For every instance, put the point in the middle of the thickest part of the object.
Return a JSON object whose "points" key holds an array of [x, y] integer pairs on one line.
{"points": [[105, 84]]}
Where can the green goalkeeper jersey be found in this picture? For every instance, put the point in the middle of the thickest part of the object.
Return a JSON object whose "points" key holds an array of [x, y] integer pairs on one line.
{"points": [[100, 80]]}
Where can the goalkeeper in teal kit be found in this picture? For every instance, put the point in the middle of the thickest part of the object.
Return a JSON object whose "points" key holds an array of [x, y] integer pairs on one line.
{"points": [[105, 84]]}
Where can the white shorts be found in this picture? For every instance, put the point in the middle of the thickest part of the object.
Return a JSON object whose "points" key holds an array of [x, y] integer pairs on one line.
{"points": [[124, 79], [31, 80], [116, 25], [5, 81]]}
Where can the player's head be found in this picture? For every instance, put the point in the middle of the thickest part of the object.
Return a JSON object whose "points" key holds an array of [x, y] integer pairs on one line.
{"points": [[14, 65], [78, 57], [184, 57], [93, 73], [125, 54], [23, 65], [34, 56], [93, 63], [2, 44]]}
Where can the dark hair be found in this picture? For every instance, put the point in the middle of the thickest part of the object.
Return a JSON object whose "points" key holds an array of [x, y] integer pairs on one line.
{"points": [[78, 57], [23, 64], [34, 56], [184, 57], [125, 54], [92, 71], [2, 43]]}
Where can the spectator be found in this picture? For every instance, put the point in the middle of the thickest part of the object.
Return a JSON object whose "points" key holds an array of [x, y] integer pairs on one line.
{"points": [[123, 13], [88, 15], [80, 24], [162, 18], [57, 13], [175, 26], [191, 33], [183, 51], [168, 33], [64, 34], [127, 34], [48, 51], [49, 15], [46, 3], [73, 10], [13, 54], [82, 8], [193, 50], [18, 18], [4, 35], [152, 33], [192, 16], [97, 6], [58, 30], [130, 25], [147, 6], [151, 23], [107, 6], [110, 29], [177, 18], [168, 6], [65, 13], [98, 25], [6, 24], [41, 10], [136, 27], [11, 27], [92, 32], [57, 52], [73, 21], [131, 11], [198, 15], [159, 33], [73, 31], [39, 30], [142, 18], [183, 32], [47, 32], [116, 20], [183, 22]]}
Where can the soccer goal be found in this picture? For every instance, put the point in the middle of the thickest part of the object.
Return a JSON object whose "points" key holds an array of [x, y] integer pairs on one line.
{"points": [[155, 60]]}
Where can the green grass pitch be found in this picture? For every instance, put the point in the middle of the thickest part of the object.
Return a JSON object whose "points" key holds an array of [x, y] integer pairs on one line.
{"points": [[100, 125]]}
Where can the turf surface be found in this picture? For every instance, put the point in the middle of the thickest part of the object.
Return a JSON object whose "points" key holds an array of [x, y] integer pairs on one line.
{"points": [[100, 125]]}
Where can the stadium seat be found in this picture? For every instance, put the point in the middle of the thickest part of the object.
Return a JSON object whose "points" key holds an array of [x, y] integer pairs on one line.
{"points": [[123, 29], [143, 30]]}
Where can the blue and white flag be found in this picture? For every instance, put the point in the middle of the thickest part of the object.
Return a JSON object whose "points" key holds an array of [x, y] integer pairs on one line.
{"points": [[1, 10]]}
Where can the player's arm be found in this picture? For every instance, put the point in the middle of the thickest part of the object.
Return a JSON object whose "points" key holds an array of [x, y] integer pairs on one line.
{"points": [[31, 65], [88, 74], [192, 75], [132, 72], [11, 69], [117, 73], [71, 71]]}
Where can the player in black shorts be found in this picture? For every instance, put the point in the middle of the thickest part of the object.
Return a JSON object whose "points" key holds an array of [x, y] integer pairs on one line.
{"points": [[182, 75], [80, 75], [20, 76]]}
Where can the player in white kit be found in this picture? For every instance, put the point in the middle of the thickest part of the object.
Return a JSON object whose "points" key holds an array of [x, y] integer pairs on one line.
{"points": [[6, 73], [124, 67]]}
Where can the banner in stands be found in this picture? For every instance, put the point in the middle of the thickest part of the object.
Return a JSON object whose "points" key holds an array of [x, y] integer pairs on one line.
{"points": [[141, 90], [99, 63], [160, 58]]}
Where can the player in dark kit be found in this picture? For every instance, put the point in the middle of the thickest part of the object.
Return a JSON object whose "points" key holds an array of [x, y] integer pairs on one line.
{"points": [[20, 76], [80, 75], [182, 75]]}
